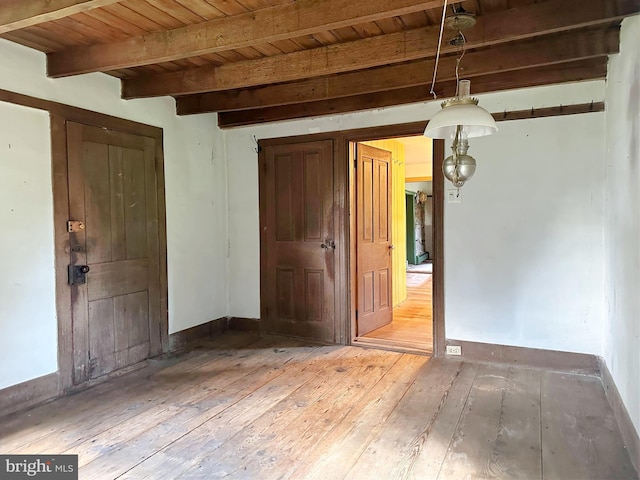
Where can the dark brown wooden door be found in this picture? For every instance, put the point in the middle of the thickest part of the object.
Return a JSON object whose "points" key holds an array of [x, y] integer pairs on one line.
{"points": [[373, 210], [112, 189], [298, 281]]}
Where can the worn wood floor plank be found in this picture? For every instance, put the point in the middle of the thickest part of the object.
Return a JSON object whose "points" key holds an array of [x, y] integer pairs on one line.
{"points": [[499, 432], [412, 324], [195, 414], [294, 426], [34, 425], [387, 454], [210, 411], [184, 410], [84, 436], [580, 436], [248, 408], [334, 455], [83, 420], [206, 438], [430, 450]]}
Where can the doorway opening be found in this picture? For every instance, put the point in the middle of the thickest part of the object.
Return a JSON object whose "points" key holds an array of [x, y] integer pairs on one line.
{"points": [[309, 285], [393, 232]]}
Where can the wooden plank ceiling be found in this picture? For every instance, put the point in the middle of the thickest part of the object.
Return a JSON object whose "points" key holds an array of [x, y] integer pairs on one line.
{"points": [[264, 60]]}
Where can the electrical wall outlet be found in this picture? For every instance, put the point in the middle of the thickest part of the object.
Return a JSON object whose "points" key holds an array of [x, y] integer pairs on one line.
{"points": [[454, 350]]}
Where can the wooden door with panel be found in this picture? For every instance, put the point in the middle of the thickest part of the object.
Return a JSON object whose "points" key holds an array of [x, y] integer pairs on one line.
{"points": [[373, 224], [298, 284], [113, 192]]}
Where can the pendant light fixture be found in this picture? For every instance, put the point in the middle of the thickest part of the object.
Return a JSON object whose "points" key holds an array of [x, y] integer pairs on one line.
{"points": [[460, 118]]}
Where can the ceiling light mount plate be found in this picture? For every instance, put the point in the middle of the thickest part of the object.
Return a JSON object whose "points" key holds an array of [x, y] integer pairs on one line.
{"points": [[459, 101], [460, 21]]}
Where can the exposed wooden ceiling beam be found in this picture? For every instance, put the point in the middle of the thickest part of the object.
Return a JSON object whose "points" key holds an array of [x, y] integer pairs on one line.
{"points": [[508, 25], [568, 72], [290, 20], [501, 58], [17, 14]]}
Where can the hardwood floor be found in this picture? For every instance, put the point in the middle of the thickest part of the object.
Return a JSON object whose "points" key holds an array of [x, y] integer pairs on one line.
{"points": [[412, 325], [243, 407]]}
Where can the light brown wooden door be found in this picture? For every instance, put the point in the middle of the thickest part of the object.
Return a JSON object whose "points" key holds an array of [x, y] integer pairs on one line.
{"points": [[298, 281], [112, 189], [373, 210]]}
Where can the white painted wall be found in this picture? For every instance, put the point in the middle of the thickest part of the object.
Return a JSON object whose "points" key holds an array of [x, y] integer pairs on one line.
{"points": [[540, 286], [27, 283], [426, 187], [195, 169], [524, 251], [621, 344]]}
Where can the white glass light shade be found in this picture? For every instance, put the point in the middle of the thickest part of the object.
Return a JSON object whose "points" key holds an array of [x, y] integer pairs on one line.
{"points": [[476, 120]]}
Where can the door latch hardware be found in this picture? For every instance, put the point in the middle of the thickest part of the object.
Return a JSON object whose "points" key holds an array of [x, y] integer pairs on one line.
{"points": [[75, 226], [77, 274], [330, 244]]}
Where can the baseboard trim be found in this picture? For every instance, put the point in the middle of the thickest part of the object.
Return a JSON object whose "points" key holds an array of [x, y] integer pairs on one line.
{"points": [[531, 357], [183, 338], [621, 414], [27, 394], [244, 324]]}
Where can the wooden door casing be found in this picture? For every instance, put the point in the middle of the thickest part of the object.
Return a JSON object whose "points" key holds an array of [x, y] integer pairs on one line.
{"points": [[373, 225], [113, 190], [298, 287]]}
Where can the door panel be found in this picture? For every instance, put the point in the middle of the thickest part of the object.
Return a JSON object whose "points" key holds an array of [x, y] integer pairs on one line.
{"points": [[110, 279], [298, 288], [373, 207], [384, 280], [112, 189]]}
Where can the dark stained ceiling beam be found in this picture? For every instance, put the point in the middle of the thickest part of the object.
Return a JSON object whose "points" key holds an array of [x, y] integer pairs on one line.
{"points": [[504, 26], [578, 45], [17, 14], [591, 69], [289, 20]]}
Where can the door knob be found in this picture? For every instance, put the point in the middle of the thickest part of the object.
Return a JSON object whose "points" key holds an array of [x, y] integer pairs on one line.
{"points": [[392, 247], [329, 244], [77, 274]]}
